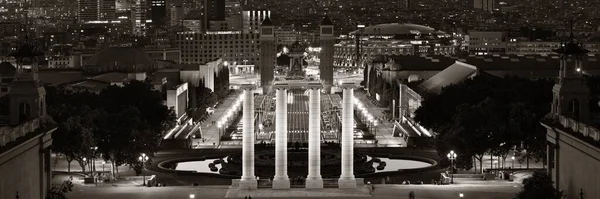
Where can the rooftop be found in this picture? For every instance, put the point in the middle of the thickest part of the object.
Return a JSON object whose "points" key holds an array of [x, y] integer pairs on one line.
{"points": [[397, 29]]}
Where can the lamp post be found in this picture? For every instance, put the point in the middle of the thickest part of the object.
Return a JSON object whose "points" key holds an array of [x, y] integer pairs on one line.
{"points": [[219, 129], [84, 163], [103, 162], [192, 196], [375, 125], [93, 165], [513, 162], [452, 156], [461, 195], [143, 158]]}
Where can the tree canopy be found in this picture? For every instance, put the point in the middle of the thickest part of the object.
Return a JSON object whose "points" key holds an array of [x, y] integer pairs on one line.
{"points": [[122, 121], [488, 115]]}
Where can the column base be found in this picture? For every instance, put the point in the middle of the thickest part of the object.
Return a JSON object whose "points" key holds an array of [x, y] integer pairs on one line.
{"points": [[281, 183], [315, 183], [248, 184], [347, 183]]}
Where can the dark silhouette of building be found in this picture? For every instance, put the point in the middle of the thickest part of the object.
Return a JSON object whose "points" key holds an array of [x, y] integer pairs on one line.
{"points": [[214, 10], [159, 12]]}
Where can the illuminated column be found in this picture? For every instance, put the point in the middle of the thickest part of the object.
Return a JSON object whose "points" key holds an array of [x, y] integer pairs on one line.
{"points": [[281, 179], [314, 179], [248, 180], [347, 179]]}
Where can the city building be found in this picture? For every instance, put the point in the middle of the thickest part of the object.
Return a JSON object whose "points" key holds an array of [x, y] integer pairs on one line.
{"points": [[177, 15], [230, 23], [87, 10], [214, 10], [192, 25], [231, 46], [251, 20], [573, 147], [390, 39], [96, 10], [119, 58], [485, 5], [499, 43], [7, 75], [25, 139], [159, 12], [107, 10], [487, 42], [519, 47], [140, 18]]}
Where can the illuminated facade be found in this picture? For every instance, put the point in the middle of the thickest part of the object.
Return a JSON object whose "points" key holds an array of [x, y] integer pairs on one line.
{"points": [[231, 46], [390, 39]]}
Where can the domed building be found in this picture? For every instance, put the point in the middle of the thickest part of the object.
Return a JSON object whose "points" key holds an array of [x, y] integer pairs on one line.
{"points": [[391, 39], [120, 58]]}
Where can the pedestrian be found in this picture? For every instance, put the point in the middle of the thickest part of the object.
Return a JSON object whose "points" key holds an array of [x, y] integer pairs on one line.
{"points": [[369, 187]]}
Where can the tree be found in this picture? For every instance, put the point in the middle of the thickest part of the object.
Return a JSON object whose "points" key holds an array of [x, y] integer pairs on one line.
{"points": [[74, 138], [122, 122], [539, 185], [487, 115]]}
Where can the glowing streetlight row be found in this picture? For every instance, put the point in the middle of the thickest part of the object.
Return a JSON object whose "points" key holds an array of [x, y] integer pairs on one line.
{"points": [[365, 113], [236, 105]]}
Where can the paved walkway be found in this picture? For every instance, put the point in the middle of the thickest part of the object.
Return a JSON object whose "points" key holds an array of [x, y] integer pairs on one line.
{"points": [[492, 191], [210, 131], [297, 193], [385, 129]]}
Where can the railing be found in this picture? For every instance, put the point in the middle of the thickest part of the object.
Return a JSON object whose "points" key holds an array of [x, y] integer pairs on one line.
{"points": [[585, 130], [9, 134]]}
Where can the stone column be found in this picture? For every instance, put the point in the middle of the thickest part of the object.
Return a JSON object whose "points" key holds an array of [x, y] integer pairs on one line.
{"points": [[314, 180], [347, 179], [281, 179], [248, 180]]}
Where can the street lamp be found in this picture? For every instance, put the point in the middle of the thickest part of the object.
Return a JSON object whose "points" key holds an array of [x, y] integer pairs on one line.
{"points": [[452, 156], [103, 162], [461, 195], [93, 165], [192, 196], [84, 163], [513, 162], [143, 158]]}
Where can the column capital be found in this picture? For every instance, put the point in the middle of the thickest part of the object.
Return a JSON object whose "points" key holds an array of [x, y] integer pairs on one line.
{"points": [[315, 86], [248, 86], [281, 86], [348, 85]]}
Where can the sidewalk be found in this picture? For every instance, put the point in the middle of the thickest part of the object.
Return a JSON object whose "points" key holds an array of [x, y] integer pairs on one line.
{"points": [[384, 130], [210, 131]]}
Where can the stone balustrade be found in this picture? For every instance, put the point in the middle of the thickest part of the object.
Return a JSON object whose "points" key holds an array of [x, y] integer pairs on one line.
{"points": [[576, 126], [9, 134]]}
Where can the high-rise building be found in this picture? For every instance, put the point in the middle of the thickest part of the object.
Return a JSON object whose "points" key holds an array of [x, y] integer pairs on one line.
{"points": [[486, 5], [177, 14], [139, 17], [94, 10], [251, 20], [159, 12], [87, 10], [107, 10], [233, 8], [214, 10], [234, 47]]}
